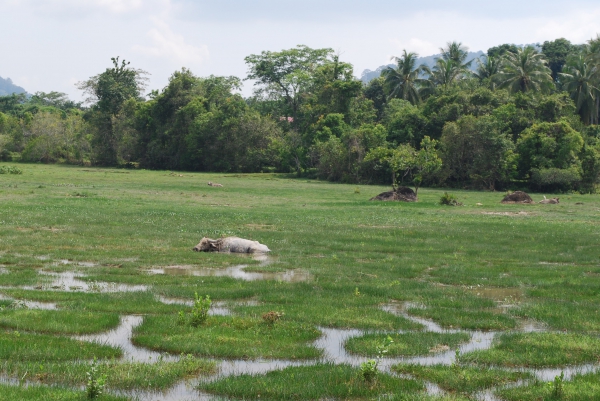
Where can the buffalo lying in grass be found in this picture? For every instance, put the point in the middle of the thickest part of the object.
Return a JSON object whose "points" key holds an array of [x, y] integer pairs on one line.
{"points": [[551, 201], [230, 244]]}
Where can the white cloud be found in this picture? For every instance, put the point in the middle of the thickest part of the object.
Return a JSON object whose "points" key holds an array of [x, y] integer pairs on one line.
{"points": [[168, 44], [118, 6], [416, 45], [578, 26]]}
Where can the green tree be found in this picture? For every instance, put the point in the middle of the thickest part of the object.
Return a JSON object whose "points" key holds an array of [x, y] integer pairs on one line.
{"points": [[287, 74], [458, 53], [477, 152], [580, 79], [405, 122], [405, 161], [549, 155], [487, 69], [557, 53], [405, 80], [525, 71], [443, 74], [108, 92], [499, 51]]}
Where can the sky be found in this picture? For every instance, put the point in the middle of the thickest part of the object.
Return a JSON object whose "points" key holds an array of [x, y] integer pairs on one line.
{"points": [[50, 45]]}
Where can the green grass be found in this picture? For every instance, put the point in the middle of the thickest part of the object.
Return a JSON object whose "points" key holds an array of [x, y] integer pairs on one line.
{"points": [[407, 344], [538, 350], [119, 375], [580, 388], [360, 255], [59, 322], [462, 379], [19, 346], [40, 393], [229, 337], [310, 383]]}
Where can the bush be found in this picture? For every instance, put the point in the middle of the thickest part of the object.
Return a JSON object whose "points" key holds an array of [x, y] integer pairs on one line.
{"points": [[5, 155], [10, 170], [555, 179], [449, 200], [200, 310]]}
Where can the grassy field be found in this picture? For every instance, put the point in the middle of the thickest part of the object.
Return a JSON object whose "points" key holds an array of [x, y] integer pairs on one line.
{"points": [[483, 266]]}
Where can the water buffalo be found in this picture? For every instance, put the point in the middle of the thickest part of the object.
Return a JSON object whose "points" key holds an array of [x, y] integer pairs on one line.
{"points": [[230, 244], [552, 201]]}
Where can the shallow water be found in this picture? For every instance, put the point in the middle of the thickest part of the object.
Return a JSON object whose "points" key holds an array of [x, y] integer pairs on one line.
{"points": [[237, 272], [121, 337], [331, 342], [70, 282], [31, 304]]}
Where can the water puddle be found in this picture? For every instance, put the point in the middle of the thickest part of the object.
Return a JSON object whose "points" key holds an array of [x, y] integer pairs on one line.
{"points": [[29, 304], [121, 337], [218, 308], [70, 282], [331, 342], [237, 272]]}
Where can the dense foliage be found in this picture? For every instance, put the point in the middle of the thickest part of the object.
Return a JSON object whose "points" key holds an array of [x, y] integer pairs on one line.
{"points": [[518, 117]]}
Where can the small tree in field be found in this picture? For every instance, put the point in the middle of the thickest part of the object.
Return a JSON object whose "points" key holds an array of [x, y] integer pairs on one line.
{"points": [[426, 162], [406, 160]]}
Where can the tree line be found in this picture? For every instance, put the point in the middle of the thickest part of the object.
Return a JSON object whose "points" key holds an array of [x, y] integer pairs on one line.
{"points": [[518, 118]]}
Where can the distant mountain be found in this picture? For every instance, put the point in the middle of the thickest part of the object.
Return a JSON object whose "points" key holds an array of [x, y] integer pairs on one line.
{"points": [[8, 88], [429, 61]]}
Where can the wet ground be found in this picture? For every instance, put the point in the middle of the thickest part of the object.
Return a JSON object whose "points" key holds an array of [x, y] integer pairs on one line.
{"points": [[331, 342]]}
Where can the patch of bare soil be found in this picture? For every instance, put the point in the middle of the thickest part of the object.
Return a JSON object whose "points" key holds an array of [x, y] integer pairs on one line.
{"points": [[401, 194], [439, 348], [521, 213], [517, 197], [260, 226]]}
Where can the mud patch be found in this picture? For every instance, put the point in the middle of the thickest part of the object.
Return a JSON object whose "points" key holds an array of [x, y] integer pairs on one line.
{"points": [[517, 197], [401, 194], [261, 227], [521, 213], [500, 295]]}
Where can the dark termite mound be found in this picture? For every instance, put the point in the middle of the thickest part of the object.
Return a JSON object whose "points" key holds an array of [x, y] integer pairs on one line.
{"points": [[517, 197], [402, 194]]}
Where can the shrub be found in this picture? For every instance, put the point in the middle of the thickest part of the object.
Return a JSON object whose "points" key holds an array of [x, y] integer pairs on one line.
{"points": [[449, 200], [272, 317], [370, 368], [200, 310], [10, 170], [555, 179], [95, 382]]}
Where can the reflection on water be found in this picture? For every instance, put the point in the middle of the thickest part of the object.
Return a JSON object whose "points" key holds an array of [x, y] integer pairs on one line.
{"points": [[331, 342], [70, 282], [237, 272], [121, 338], [30, 304]]}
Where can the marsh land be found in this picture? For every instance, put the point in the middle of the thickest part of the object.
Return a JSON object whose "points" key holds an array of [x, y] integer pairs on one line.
{"points": [[488, 301]]}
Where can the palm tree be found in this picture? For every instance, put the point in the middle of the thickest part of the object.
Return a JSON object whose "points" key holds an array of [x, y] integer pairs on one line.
{"points": [[404, 81], [580, 78], [593, 51], [524, 71], [458, 53], [487, 67], [444, 73]]}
